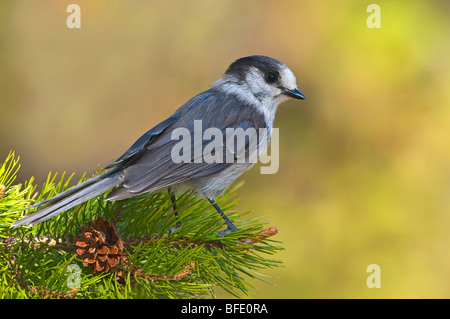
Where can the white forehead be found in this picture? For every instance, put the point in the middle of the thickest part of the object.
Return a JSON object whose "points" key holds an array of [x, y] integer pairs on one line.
{"points": [[287, 78]]}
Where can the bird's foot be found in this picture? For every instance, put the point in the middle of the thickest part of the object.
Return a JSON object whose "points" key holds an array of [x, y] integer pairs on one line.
{"points": [[230, 229], [174, 228]]}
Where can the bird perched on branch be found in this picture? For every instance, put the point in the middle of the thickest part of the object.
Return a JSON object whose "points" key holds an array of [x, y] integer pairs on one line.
{"points": [[246, 97]]}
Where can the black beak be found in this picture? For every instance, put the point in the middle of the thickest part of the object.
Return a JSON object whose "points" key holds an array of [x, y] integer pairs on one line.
{"points": [[295, 93]]}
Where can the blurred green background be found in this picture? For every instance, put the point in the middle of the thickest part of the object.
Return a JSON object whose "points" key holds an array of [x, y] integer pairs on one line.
{"points": [[364, 172]]}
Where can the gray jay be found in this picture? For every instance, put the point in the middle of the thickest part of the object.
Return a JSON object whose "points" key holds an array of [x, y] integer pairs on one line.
{"points": [[247, 96]]}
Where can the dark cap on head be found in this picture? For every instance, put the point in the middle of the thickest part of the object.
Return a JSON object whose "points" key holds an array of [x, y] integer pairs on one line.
{"points": [[265, 64]]}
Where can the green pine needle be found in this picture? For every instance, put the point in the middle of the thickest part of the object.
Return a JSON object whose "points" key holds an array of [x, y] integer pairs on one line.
{"points": [[40, 262]]}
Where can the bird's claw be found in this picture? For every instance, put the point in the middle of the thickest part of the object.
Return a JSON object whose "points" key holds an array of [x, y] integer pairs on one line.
{"points": [[174, 228], [227, 231]]}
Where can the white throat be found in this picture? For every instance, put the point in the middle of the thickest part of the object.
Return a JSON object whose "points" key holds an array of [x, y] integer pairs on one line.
{"points": [[266, 105]]}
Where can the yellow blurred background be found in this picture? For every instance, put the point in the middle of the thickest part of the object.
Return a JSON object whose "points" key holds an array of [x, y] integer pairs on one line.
{"points": [[364, 172]]}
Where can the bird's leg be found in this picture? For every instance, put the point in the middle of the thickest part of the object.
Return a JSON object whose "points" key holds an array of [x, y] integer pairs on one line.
{"points": [[231, 227], [175, 209]]}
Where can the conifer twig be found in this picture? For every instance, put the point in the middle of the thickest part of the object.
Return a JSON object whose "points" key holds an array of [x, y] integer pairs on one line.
{"points": [[142, 261]]}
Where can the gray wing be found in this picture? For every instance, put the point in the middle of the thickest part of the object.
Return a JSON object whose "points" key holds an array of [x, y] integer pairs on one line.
{"points": [[152, 166], [145, 140]]}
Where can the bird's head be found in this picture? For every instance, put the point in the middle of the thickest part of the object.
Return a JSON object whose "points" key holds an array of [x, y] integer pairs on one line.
{"points": [[267, 79]]}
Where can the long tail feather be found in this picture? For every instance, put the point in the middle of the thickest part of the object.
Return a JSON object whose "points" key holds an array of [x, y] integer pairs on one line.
{"points": [[70, 198]]}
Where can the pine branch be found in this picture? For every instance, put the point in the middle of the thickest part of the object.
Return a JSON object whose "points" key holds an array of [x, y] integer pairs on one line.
{"points": [[121, 249]]}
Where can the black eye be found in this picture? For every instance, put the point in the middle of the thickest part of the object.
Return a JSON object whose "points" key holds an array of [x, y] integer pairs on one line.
{"points": [[271, 77]]}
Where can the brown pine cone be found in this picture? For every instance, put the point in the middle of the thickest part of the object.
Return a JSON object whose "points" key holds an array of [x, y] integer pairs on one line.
{"points": [[99, 245]]}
